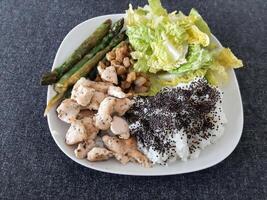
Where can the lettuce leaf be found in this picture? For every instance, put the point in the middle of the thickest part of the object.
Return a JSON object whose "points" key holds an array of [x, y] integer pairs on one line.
{"points": [[226, 58], [197, 58], [169, 80], [223, 59], [160, 39], [216, 74], [197, 37], [199, 22]]}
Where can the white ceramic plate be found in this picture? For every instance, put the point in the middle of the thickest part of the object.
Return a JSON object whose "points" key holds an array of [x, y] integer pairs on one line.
{"points": [[210, 156]]}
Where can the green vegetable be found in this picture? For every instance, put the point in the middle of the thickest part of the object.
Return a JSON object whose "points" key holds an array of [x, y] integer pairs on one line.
{"points": [[52, 102], [223, 59], [160, 39], [199, 22], [85, 47], [197, 57], [165, 79]]}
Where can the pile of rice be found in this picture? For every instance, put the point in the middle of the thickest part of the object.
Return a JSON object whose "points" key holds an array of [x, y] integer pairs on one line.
{"points": [[178, 122]]}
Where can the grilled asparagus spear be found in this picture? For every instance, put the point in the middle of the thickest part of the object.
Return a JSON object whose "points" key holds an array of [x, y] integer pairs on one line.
{"points": [[88, 44]]}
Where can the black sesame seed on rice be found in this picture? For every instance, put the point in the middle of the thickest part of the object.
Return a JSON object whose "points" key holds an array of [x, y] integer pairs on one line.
{"points": [[189, 109]]}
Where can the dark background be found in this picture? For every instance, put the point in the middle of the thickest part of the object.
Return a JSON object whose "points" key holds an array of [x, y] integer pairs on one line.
{"points": [[33, 167]]}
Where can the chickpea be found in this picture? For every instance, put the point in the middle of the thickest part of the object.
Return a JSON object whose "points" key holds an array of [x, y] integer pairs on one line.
{"points": [[121, 70], [140, 81], [126, 62], [131, 77], [140, 89], [111, 56]]}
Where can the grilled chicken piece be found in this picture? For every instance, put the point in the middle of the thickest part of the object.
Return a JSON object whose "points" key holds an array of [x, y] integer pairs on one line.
{"points": [[98, 86], [76, 133], [116, 92], [97, 98], [109, 74], [83, 148], [103, 117], [68, 110], [126, 147], [120, 127], [86, 113], [98, 154], [122, 158], [91, 129], [82, 94], [122, 106], [81, 130]]}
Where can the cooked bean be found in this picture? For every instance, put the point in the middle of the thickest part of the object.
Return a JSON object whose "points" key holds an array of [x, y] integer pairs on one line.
{"points": [[125, 85], [121, 70], [131, 77], [111, 55], [126, 62], [140, 81], [115, 63], [123, 77], [147, 84], [132, 61], [140, 89], [102, 65], [121, 52]]}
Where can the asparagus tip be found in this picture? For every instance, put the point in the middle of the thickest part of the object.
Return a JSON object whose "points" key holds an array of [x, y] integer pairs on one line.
{"points": [[52, 102], [49, 78], [108, 21]]}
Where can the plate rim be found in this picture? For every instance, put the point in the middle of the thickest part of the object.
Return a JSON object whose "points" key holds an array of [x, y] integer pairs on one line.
{"points": [[133, 173]]}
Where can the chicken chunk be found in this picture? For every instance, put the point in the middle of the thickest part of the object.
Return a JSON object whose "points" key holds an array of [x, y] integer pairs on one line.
{"points": [[98, 86], [97, 98], [116, 92], [82, 94], [98, 154], [90, 127], [68, 110], [76, 133], [82, 81], [103, 117], [126, 147], [122, 106], [81, 130], [109, 74], [120, 127], [86, 113], [122, 158], [83, 148]]}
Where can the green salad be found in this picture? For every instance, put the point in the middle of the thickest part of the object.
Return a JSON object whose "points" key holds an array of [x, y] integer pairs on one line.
{"points": [[174, 47]]}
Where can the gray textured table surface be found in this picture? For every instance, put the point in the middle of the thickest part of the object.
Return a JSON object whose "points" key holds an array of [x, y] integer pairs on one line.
{"points": [[33, 167]]}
